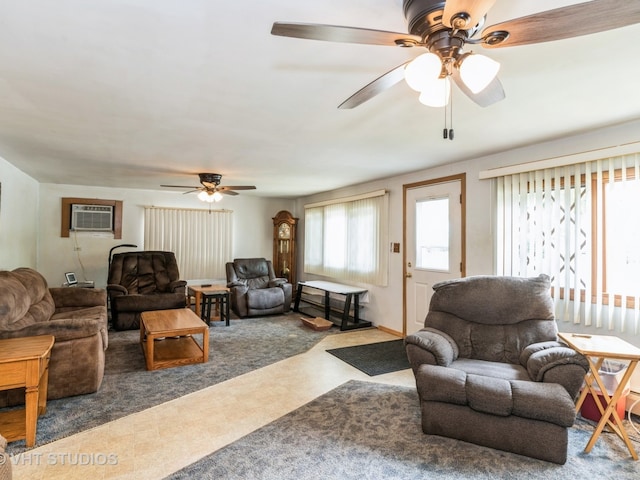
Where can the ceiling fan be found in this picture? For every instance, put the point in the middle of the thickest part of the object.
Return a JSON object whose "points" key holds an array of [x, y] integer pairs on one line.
{"points": [[211, 191], [444, 28]]}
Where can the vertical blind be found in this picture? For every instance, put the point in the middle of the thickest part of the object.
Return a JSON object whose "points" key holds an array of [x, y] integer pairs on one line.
{"points": [[577, 224], [347, 239], [200, 239]]}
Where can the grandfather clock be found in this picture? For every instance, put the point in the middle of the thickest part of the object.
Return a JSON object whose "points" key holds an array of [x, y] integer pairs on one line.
{"points": [[284, 246]]}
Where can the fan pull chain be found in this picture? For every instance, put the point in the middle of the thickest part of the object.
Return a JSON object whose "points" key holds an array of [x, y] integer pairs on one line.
{"points": [[451, 117], [448, 133], [445, 132]]}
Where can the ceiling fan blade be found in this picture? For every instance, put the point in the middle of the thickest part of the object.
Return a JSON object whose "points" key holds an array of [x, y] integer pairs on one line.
{"points": [[493, 93], [565, 22], [335, 33], [179, 186], [236, 187], [379, 85], [227, 192], [468, 13], [191, 191]]}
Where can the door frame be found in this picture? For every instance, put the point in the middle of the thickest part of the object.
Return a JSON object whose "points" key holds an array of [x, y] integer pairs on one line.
{"points": [[462, 178]]}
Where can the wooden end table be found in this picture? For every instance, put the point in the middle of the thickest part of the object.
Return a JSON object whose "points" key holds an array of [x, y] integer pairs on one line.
{"points": [[597, 348], [167, 341], [24, 362], [204, 298]]}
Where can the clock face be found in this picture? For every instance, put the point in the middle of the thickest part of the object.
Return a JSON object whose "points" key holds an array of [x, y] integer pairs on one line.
{"points": [[284, 231]]}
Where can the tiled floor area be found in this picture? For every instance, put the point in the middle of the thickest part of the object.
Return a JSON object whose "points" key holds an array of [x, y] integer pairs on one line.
{"points": [[158, 441]]}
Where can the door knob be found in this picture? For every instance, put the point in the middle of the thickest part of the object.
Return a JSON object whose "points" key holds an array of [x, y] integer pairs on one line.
{"points": [[408, 275]]}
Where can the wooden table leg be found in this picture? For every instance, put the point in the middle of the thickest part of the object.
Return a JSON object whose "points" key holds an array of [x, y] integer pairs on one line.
{"points": [[31, 402], [609, 409], [205, 345]]}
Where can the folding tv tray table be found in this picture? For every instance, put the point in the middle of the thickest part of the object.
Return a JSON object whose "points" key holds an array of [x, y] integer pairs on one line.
{"points": [[597, 348]]}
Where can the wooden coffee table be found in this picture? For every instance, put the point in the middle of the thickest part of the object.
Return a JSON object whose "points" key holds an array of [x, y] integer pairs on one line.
{"points": [[166, 337], [24, 362]]}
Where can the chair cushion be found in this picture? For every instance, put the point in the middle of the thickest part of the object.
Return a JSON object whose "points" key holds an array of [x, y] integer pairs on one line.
{"points": [[265, 298], [547, 402]]}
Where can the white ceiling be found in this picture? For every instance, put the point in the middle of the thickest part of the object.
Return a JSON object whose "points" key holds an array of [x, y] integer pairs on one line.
{"points": [[138, 93]]}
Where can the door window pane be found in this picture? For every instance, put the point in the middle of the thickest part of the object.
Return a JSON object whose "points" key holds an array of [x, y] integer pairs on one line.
{"points": [[432, 234]]}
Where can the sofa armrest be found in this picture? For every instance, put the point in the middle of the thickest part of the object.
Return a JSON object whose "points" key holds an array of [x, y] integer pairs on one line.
{"points": [[178, 286], [115, 290], [557, 363], [277, 282], [432, 347], [64, 297]]}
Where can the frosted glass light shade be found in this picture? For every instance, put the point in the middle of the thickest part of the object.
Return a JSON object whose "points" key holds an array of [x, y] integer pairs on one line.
{"points": [[422, 70], [209, 197], [477, 71], [436, 93]]}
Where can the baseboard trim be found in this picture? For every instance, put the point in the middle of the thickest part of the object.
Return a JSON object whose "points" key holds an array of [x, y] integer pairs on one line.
{"points": [[389, 330]]}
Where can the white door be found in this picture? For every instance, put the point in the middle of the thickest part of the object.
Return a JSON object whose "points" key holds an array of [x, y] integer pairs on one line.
{"points": [[433, 243]]}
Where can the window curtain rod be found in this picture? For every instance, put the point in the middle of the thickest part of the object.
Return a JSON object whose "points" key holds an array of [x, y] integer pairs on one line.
{"points": [[223, 210], [582, 157], [362, 196]]}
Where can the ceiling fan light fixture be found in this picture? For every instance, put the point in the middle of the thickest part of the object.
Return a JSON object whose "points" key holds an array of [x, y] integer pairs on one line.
{"points": [[437, 93], [209, 196], [422, 70], [477, 71]]}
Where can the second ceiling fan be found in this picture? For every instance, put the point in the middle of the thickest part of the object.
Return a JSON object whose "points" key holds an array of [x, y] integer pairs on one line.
{"points": [[444, 28], [211, 191]]}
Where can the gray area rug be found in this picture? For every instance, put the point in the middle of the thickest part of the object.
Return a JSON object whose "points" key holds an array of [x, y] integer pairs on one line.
{"points": [[364, 430], [375, 358], [127, 388]]}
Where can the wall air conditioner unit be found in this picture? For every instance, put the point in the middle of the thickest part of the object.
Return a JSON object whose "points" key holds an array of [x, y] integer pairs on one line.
{"points": [[91, 218]]}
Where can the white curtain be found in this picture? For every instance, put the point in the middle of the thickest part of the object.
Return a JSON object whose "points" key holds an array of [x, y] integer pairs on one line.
{"points": [[347, 239], [577, 224], [201, 239]]}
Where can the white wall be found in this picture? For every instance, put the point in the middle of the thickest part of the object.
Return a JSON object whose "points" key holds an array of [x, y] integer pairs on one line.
{"points": [[252, 228], [18, 218]]}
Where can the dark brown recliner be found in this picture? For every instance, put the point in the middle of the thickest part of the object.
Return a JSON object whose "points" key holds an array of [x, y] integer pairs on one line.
{"points": [[255, 289], [143, 281]]}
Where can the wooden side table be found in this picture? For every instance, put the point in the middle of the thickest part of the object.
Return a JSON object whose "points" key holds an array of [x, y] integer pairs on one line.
{"points": [[24, 362], [598, 348], [205, 296]]}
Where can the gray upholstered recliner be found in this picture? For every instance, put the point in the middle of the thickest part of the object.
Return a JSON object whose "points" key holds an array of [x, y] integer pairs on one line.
{"points": [[255, 290], [489, 368], [143, 281]]}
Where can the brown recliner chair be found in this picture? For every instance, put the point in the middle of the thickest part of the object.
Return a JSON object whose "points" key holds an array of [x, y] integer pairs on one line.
{"points": [[143, 281], [490, 370], [255, 289]]}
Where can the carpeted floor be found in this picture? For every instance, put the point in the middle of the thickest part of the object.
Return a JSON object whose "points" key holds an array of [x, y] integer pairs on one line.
{"points": [[364, 430], [375, 358], [245, 345]]}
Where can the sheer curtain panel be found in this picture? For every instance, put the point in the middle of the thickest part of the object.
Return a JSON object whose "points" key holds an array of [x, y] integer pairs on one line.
{"points": [[347, 239], [200, 239]]}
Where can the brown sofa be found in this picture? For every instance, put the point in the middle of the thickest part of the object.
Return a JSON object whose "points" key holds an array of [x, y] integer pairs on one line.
{"points": [[143, 281], [76, 317]]}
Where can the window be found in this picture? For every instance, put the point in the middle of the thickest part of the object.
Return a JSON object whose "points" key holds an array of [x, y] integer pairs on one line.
{"points": [[577, 224], [347, 239], [200, 239]]}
